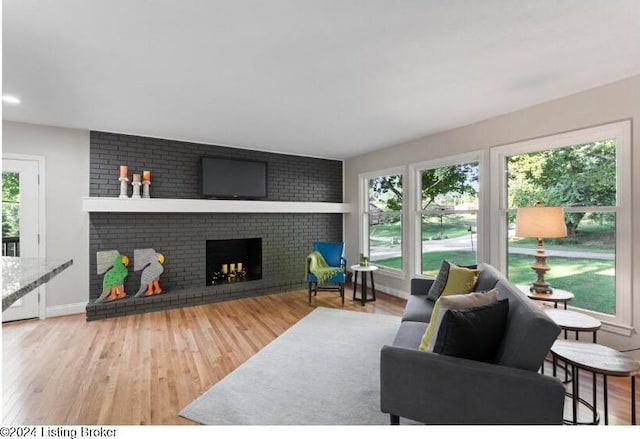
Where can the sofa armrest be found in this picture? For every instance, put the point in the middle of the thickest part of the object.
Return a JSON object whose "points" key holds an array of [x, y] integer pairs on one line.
{"points": [[420, 286], [439, 389]]}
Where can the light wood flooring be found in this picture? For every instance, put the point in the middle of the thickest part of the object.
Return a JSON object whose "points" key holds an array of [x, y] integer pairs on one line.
{"points": [[144, 369]]}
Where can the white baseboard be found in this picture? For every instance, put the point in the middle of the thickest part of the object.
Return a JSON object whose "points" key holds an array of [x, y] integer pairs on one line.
{"points": [[392, 291], [65, 310]]}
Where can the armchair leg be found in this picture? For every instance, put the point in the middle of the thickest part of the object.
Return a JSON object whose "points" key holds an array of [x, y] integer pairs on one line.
{"points": [[309, 293], [342, 293], [395, 419]]}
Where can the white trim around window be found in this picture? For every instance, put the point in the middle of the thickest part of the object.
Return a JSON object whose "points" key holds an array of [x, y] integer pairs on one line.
{"points": [[414, 222], [621, 323], [363, 204]]}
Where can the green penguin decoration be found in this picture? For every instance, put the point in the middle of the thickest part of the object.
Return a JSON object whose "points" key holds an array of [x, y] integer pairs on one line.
{"points": [[114, 267]]}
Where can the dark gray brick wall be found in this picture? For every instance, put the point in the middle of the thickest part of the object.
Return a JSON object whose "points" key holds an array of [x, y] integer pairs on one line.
{"points": [[286, 238], [174, 167]]}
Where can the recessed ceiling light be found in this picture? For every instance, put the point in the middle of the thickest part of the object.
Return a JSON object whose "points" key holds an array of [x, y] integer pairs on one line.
{"points": [[10, 99]]}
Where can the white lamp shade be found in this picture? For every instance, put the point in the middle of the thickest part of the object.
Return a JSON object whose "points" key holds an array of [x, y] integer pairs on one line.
{"points": [[540, 222]]}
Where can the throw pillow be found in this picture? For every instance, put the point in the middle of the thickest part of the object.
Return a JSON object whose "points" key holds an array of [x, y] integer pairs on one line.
{"points": [[440, 282], [473, 333], [460, 281], [445, 303]]}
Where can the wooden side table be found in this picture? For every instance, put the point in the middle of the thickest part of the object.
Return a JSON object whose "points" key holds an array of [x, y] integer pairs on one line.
{"points": [[574, 321], [363, 291], [600, 359], [558, 296]]}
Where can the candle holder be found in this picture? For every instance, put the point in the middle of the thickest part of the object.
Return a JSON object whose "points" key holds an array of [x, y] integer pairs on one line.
{"points": [[145, 189], [123, 187], [136, 189]]}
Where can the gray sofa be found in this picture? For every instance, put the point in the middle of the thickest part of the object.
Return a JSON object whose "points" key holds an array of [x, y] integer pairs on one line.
{"points": [[432, 388]]}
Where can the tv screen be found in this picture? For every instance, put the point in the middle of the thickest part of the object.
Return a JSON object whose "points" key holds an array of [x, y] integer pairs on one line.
{"points": [[227, 178]]}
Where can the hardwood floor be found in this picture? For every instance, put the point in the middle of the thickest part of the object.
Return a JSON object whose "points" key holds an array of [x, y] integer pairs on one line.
{"points": [[143, 369]]}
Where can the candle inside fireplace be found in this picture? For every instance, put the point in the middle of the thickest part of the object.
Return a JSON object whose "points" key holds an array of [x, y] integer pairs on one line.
{"points": [[239, 266], [225, 269], [146, 175], [124, 170], [233, 268]]}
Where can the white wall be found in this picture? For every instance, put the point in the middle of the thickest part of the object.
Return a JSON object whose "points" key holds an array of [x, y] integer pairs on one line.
{"points": [[609, 103], [66, 179]]}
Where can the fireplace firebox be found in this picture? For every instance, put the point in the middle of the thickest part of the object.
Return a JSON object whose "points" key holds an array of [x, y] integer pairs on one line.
{"points": [[233, 260]]}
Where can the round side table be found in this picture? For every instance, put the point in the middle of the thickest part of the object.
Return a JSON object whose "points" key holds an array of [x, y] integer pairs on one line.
{"points": [[574, 321], [557, 296], [363, 290], [600, 359]]}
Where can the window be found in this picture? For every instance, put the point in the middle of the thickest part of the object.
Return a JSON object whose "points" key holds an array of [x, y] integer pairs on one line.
{"points": [[447, 214], [10, 214], [382, 219], [587, 173]]}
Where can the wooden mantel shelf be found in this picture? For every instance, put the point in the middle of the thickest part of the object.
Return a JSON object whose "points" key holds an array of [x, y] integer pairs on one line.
{"points": [[171, 205]]}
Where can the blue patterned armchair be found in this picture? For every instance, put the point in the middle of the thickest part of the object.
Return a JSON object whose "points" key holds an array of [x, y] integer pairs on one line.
{"points": [[332, 254]]}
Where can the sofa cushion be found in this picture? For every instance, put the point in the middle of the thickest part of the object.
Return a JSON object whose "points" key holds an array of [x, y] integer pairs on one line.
{"points": [[488, 277], [473, 333], [418, 309], [409, 334], [445, 303], [529, 332]]}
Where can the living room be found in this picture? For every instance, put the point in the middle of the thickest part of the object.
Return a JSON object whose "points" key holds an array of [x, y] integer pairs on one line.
{"points": [[472, 114]]}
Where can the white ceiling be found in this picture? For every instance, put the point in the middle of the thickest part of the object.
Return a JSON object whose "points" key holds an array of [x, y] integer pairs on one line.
{"points": [[326, 78]]}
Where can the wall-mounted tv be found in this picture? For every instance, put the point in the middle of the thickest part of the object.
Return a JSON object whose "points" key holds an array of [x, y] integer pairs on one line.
{"points": [[233, 179]]}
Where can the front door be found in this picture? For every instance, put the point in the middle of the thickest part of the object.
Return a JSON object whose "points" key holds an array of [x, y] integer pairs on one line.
{"points": [[20, 211]]}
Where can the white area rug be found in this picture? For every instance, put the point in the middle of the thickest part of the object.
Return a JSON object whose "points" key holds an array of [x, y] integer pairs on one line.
{"points": [[324, 370]]}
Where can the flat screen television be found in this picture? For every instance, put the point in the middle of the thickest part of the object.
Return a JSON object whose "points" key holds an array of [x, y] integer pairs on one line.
{"points": [[232, 179]]}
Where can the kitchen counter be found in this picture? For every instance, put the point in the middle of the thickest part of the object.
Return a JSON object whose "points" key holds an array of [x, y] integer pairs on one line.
{"points": [[22, 275]]}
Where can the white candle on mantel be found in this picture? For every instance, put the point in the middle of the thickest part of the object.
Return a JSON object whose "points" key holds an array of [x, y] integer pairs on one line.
{"points": [[136, 177]]}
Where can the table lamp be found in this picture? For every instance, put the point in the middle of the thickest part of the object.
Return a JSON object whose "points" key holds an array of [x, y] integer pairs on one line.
{"points": [[540, 222]]}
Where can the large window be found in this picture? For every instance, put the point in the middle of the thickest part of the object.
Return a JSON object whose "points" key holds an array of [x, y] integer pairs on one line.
{"points": [[447, 214], [383, 223], [585, 172]]}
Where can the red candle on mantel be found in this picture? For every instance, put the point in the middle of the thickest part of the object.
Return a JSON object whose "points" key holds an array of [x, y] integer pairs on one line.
{"points": [[146, 175], [124, 170]]}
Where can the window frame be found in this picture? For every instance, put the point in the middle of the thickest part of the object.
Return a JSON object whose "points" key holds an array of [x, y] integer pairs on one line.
{"points": [[363, 213], [415, 171], [621, 322]]}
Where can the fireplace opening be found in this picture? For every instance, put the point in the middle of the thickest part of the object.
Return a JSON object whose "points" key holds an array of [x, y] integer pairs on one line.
{"points": [[233, 260]]}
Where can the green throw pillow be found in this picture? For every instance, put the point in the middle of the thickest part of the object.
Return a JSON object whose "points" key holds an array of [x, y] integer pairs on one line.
{"points": [[442, 278], [460, 281], [454, 301]]}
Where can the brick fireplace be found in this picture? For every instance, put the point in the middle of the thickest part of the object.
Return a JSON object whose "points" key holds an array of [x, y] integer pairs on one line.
{"points": [[286, 238], [233, 260]]}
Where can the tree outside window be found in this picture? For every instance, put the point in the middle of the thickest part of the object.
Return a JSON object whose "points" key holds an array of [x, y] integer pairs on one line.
{"points": [[581, 178], [448, 215], [385, 225], [10, 214]]}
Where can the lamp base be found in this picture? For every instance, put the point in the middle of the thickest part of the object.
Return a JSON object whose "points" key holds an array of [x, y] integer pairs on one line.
{"points": [[541, 288], [540, 267]]}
